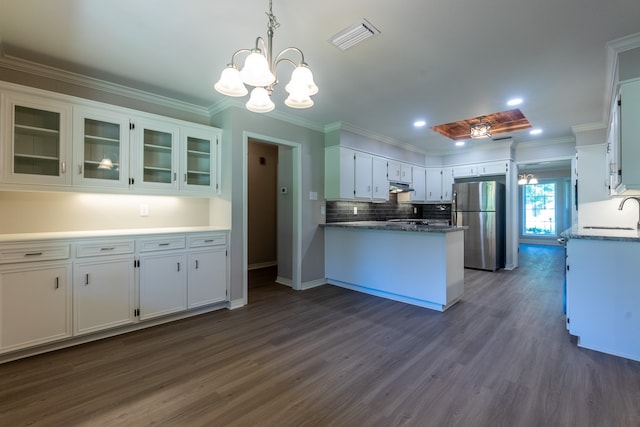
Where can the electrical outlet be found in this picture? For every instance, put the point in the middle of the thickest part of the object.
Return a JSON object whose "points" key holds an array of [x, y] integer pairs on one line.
{"points": [[355, 210], [144, 209], [415, 210]]}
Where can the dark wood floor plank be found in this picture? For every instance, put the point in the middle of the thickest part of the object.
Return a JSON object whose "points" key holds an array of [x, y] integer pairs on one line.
{"points": [[333, 357]]}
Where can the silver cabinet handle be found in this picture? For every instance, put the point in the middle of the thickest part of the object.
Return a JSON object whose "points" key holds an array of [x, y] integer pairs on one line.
{"points": [[178, 266], [79, 169], [57, 282], [163, 244], [63, 167], [197, 264], [175, 176], [86, 279], [33, 254], [107, 249]]}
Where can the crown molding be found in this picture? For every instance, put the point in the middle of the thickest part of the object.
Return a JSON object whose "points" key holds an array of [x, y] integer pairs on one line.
{"points": [[544, 142], [29, 67], [587, 127], [372, 135]]}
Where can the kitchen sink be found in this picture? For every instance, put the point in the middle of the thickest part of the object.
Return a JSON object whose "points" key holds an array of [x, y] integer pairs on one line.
{"points": [[605, 227]]}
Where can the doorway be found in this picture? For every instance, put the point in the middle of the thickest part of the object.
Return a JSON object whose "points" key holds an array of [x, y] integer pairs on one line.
{"points": [[272, 211]]}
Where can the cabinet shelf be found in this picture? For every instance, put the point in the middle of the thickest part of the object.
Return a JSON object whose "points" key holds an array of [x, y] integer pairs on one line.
{"points": [[199, 153], [155, 168], [36, 131], [35, 157], [153, 147], [100, 140], [97, 162], [194, 172]]}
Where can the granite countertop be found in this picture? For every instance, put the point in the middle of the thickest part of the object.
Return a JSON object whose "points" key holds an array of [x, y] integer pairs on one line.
{"points": [[17, 237], [620, 234], [395, 226]]}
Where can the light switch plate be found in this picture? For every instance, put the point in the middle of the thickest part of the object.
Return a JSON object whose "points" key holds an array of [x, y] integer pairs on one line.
{"points": [[144, 209]]}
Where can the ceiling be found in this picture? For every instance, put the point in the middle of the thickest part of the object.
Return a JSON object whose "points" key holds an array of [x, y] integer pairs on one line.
{"points": [[440, 61]]}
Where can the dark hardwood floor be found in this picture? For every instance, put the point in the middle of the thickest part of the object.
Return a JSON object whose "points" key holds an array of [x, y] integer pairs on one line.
{"points": [[333, 357]]}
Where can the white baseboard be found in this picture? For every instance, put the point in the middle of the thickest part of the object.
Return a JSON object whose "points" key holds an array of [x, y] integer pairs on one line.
{"points": [[284, 281], [236, 303], [314, 284]]}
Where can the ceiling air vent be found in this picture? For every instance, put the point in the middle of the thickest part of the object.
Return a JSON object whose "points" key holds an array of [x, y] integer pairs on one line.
{"points": [[353, 35], [502, 139]]}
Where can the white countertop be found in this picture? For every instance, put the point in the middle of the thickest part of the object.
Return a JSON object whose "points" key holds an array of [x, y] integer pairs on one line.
{"points": [[17, 237]]}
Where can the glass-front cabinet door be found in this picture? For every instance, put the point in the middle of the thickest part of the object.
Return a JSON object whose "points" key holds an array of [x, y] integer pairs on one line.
{"points": [[38, 146], [199, 155], [101, 148], [156, 147]]}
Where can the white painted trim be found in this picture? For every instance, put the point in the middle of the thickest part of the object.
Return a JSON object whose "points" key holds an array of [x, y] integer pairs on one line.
{"points": [[236, 303], [284, 281], [296, 191], [544, 142], [313, 284], [588, 127], [372, 135]]}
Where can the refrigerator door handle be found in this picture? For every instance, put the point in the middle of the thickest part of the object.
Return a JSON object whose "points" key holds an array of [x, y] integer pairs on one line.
{"points": [[454, 203]]}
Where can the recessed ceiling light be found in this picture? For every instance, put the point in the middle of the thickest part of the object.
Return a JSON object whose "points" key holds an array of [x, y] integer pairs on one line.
{"points": [[459, 143], [419, 123], [535, 131], [515, 101]]}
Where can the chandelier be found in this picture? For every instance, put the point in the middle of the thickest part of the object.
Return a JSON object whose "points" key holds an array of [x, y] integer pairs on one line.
{"points": [[528, 178], [259, 71], [480, 130]]}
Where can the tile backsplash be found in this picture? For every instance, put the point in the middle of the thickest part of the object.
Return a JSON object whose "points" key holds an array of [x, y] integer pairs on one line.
{"points": [[344, 211]]}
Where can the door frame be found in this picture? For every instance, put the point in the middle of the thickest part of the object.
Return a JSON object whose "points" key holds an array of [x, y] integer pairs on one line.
{"points": [[296, 192]]}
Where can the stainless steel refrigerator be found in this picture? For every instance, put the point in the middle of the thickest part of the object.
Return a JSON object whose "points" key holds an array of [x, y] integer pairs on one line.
{"points": [[481, 207]]}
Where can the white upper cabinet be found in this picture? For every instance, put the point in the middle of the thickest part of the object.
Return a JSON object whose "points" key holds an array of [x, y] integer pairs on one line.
{"points": [[593, 179], [493, 168], [37, 143], [419, 184], [101, 153], [434, 185], [629, 150], [156, 155], [380, 182], [199, 156], [51, 141], [447, 184], [465, 171], [399, 172], [363, 175], [354, 175]]}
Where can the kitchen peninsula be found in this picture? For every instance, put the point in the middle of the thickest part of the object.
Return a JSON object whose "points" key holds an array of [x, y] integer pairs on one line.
{"points": [[417, 264]]}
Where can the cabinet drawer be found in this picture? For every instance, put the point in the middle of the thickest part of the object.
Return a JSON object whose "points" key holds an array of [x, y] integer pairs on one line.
{"points": [[162, 243], [29, 252], [104, 247], [211, 239]]}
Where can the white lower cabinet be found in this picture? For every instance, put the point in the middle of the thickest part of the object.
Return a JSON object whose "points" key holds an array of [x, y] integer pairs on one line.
{"points": [[54, 290], [35, 304], [103, 293], [207, 279], [163, 284]]}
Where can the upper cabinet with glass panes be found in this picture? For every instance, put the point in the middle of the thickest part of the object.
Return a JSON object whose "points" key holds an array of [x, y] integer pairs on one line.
{"points": [[37, 143], [101, 151], [55, 140]]}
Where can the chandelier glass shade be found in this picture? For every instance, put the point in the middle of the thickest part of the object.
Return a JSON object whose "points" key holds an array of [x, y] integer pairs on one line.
{"points": [[524, 179], [259, 71], [480, 130]]}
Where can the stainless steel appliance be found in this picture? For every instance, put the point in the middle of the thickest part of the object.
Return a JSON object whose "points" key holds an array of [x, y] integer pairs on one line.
{"points": [[481, 207]]}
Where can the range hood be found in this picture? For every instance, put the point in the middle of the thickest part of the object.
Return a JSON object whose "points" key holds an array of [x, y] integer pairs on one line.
{"points": [[399, 187]]}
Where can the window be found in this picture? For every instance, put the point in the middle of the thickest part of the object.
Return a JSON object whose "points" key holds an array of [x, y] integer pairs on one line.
{"points": [[540, 209]]}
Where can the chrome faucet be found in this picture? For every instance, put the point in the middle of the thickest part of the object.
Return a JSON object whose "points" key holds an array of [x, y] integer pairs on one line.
{"points": [[637, 199]]}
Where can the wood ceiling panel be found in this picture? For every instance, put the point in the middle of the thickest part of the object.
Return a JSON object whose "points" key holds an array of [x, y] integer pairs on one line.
{"points": [[502, 122]]}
